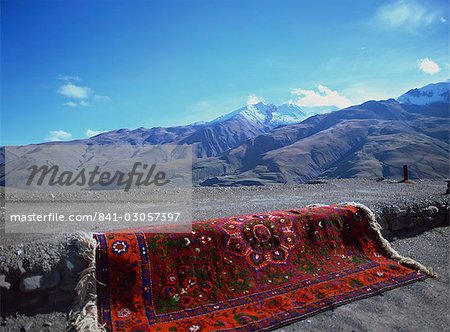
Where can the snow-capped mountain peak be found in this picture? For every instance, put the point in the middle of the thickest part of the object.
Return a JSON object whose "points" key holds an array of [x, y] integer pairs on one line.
{"points": [[259, 112], [255, 113], [288, 114], [431, 93], [267, 114]]}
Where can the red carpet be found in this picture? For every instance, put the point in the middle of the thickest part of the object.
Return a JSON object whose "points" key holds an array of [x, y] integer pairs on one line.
{"points": [[243, 273]]}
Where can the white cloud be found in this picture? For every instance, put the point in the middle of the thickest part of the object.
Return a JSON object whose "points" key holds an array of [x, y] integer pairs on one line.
{"points": [[323, 96], [252, 100], [405, 13], [58, 135], [442, 19], [428, 66], [78, 95], [74, 104], [69, 78], [71, 90], [204, 104], [90, 132], [71, 104], [101, 98]]}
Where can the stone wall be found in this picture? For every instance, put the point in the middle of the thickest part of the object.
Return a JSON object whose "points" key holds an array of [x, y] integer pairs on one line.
{"points": [[28, 287], [413, 219]]}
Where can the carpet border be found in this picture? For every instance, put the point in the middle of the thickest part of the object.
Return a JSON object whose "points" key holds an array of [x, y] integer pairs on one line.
{"points": [[335, 305]]}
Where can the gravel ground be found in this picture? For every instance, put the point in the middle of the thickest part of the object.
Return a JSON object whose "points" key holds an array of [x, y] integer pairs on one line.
{"points": [[422, 306], [226, 201]]}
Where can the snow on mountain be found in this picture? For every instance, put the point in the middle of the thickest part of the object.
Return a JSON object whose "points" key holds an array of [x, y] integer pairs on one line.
{"points": [[258, 113], [266, 114], [431, 93], [288, 114]]}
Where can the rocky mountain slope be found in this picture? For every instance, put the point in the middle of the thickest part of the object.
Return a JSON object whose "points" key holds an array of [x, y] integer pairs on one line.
{"points": [[214, 137], [373, 139]]}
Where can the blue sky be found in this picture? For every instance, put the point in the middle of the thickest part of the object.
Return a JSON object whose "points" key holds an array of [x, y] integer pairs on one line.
{"points": [[74, 68]]}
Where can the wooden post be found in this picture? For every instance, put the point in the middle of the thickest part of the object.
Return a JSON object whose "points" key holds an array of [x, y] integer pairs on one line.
{"points": [[405, 173]]}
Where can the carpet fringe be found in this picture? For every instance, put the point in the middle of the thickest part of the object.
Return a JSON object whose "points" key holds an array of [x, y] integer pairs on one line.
{"points": [[391, 252], [84, 314]]}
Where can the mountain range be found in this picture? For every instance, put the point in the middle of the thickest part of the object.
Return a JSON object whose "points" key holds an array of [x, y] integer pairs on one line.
{"points": [[374, 139], [264, 144], [212, 138]]}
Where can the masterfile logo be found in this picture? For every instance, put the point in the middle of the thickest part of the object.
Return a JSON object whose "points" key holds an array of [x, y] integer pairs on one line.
{"points": [[68, 187], [140, 175]]}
